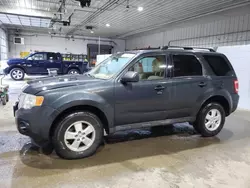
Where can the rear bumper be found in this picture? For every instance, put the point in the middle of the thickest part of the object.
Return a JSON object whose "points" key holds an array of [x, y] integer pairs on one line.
{"points": [[235, 101]]}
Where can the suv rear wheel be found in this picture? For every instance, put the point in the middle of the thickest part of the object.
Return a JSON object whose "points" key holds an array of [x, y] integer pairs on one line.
{"points": [[78, 135], [73, 71], [210, 120]]}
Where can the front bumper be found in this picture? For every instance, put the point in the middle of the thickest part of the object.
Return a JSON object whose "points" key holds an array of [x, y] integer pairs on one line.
{"points": [[6, 70], [35, 122]]}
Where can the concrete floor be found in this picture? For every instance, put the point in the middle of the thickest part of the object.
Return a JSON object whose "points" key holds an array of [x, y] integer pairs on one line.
{"points": [[172, 157]]}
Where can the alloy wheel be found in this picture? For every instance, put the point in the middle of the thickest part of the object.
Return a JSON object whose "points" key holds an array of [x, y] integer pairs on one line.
{"points": [[79, 136], [73, 72], [17, 74], [213, 120]]}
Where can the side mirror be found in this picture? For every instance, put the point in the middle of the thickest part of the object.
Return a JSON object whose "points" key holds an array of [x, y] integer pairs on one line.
{"points": [[130, 76]]}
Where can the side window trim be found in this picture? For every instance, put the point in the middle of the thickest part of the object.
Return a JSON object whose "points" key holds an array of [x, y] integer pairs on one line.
{"points": [[171, 55]]}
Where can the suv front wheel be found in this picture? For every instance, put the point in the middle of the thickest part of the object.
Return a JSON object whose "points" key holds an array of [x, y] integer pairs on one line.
{"points": [[210, 120], [78, 135], [17, 74]]}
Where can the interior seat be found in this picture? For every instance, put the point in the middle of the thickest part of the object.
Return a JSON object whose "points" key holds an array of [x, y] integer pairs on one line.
{"points": [[157, 70]]}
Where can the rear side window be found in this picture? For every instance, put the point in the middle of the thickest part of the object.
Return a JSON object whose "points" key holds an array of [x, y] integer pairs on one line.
{"points": [[219, 65], [51, 56], [186, 65]]}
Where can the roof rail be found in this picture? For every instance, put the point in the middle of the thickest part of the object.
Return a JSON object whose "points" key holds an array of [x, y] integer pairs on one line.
{"points": [[187, 48]]}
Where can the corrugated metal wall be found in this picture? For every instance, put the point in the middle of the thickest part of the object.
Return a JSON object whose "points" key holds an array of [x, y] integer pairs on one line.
{"points": [[3, 45], [228, 28]]}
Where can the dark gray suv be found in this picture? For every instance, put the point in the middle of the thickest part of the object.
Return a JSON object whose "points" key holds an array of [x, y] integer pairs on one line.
{"points": [[128, 90]]}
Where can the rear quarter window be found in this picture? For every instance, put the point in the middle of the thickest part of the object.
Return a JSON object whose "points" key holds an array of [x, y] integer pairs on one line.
{"points": [[219, 65]]}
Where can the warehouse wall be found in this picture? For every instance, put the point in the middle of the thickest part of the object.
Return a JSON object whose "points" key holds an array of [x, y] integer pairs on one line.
{"points": [[3, 44], [46, 43], [221, 29], [239, 56]]}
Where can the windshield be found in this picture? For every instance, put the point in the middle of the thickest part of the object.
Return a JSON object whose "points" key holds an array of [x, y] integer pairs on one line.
{"points": [[25, 57], [111, 66]]}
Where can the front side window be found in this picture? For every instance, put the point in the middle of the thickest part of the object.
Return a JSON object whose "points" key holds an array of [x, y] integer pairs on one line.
{"points": [[150, 68], [186, 65], [37, 57], [111, 66]]}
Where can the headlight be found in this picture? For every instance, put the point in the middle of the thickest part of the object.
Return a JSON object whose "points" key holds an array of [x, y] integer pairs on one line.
{"points": [[28, 101], [4, 64]]}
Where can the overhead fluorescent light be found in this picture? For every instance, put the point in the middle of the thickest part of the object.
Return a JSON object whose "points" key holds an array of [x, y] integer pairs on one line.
{"points": [[107, 25], [23, 20], [140, 9]]}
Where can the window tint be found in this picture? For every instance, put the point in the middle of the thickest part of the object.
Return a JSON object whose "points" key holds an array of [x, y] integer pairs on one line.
{"points": [[38, 57], [186, 65], [51, 56], [219, 65], [150, 68]]}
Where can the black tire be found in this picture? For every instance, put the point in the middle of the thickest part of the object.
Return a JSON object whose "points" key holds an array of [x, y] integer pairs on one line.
{"points": [[199, 125], [46, 150], [16, 71], [73, 71], [59, 144], [4, 102]]}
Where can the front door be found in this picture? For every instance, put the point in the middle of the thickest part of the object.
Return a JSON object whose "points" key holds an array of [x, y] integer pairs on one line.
{"points": [[36, 63], [146, 100], [189, 85]]}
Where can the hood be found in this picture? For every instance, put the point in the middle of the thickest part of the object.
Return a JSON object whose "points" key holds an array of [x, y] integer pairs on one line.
{"points": [[14, 60], [50, 83]]}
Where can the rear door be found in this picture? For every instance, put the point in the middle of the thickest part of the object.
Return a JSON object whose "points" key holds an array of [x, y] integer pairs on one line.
{"points": [[53, 61], [189, 84]]}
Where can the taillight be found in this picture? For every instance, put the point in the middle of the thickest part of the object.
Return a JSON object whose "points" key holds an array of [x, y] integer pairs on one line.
{"points": [[236, 86]]}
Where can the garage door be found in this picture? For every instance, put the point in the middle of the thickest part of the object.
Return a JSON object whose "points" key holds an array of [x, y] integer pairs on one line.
{"points": [[3, 45], [240, 59]]}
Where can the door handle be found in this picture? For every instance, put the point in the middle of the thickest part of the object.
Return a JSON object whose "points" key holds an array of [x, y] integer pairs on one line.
{"points": [[159, 88], [202, 84]]}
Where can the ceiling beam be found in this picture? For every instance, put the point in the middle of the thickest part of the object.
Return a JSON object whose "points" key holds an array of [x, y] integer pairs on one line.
{"points": [[97, 13]]}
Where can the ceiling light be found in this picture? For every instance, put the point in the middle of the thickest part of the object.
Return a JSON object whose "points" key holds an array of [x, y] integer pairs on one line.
{"points": [[107, 25], [140, 9], [91, 31]]}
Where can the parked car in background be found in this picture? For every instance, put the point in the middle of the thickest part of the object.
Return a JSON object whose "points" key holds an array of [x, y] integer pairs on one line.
{"points": [[39, 63], [128, 90]]}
